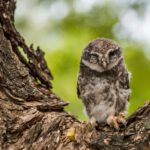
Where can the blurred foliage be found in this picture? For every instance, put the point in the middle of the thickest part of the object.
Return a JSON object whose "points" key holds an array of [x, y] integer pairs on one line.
{"points": [[73, 32]]}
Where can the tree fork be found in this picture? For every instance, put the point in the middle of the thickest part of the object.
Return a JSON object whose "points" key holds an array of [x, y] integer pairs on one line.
{"points": [[32, 116]]}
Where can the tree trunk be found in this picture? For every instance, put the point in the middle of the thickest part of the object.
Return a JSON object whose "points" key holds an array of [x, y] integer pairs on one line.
{"points": [[32, 116]]}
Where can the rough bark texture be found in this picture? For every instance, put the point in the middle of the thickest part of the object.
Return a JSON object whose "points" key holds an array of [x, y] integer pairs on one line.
{"points": [[32, 116]]}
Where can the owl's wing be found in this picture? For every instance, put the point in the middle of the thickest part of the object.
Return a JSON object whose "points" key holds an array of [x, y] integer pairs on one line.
{"points": [[78, 90], [126, 83], [79, 84], [128, 76], [127, 80]]}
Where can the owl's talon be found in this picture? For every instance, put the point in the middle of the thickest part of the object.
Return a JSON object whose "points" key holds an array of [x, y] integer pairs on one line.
{"points": [[93, 121], [121, 118], [91, 124], [112, 121], [115, 123]]}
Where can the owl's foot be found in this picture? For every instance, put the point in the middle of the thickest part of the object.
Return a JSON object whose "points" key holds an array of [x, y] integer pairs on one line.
{"points": [[93, 121], [114, 121], [121, 118], [91, 124]]}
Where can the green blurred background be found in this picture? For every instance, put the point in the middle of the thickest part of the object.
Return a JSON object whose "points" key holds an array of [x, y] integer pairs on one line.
{"points": [[62, 28]]}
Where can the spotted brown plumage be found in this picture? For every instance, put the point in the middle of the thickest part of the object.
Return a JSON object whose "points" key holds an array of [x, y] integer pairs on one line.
{"points": [[103, 82]]}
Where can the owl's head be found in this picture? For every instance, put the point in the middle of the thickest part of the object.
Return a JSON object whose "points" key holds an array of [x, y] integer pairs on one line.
{"points": [[102, 55]]}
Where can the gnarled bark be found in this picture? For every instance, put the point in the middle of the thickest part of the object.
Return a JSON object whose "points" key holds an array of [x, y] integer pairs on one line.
{"points": [[32, 116]]}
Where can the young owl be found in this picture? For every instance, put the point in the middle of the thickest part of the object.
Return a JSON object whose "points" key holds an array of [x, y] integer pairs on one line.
{"points": [[103, 82]]}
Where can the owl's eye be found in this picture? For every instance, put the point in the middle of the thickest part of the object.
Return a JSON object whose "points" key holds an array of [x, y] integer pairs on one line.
{"points": [[93, 59], [112, 53], [86, 55]]}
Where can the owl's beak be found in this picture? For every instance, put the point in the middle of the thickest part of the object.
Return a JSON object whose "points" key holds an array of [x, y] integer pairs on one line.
{"points": [[104, 64]]}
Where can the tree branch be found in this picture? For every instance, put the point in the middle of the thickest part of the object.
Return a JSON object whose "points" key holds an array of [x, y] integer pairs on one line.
{"points": [[32, 116]]}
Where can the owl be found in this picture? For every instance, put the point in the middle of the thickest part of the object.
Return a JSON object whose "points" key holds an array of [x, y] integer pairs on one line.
{"points": [[103, 82]]}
